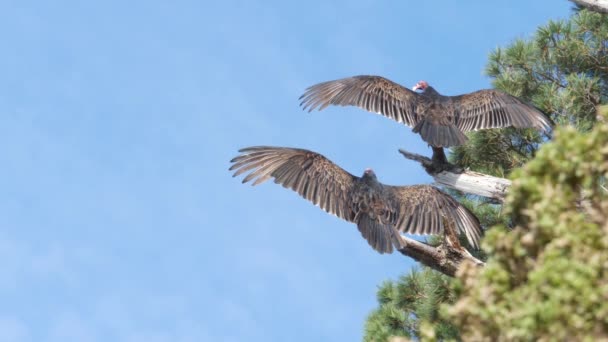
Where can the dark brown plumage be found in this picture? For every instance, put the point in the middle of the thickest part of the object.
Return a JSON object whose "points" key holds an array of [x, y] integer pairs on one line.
{"points": [[380, 211], [440, 120]]}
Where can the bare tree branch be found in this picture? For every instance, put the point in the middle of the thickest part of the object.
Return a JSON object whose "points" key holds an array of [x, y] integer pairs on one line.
{"points": [[445, 258], [593, 5], [467, 181], [448, 257]]}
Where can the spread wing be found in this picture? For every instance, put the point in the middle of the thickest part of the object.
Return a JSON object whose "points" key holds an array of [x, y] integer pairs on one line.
{"points": [[494, 109], [310, 174], [422, 208], [372, 93]]}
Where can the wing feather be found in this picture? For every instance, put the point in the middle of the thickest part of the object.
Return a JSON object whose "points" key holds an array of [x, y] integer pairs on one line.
{"points": [[310, 174], [423, 207], [491, 108], [373, 93]]}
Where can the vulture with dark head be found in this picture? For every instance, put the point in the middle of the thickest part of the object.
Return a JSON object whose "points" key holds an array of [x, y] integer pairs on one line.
{"points": [[440, 120], [380, 211]]}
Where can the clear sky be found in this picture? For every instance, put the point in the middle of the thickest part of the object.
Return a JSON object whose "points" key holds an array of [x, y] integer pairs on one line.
{"points": [[119, 220]]}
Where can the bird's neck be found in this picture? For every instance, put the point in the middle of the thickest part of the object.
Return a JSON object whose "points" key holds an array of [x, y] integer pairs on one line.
{"points": [[430, 91], [371, 181]]}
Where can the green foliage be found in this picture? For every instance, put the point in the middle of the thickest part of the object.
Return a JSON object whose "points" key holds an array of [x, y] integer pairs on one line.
{"points": [[562, 69], [404, 304], [496, 152], [489, 214], [538, 275], [548, 278]]}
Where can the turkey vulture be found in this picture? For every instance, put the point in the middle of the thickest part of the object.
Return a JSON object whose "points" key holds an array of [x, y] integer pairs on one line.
{"points": [[380, 211], [440, 120]]}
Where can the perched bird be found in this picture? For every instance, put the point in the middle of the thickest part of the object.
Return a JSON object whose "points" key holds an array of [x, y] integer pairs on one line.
{"points": [[380, 211], [440, 120]]}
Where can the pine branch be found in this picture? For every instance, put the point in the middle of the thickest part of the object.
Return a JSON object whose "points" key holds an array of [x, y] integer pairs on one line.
{"points": [[600, 6], [468, 181]]}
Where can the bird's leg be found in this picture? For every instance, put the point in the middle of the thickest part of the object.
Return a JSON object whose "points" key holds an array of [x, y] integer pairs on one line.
{"points": [[440, 162], [439, 156]]}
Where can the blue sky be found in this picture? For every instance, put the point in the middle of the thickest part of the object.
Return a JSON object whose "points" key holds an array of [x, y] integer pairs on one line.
{"points": [[118, 218]]}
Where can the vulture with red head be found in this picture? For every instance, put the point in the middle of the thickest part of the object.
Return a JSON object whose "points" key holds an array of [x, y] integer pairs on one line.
{"points": [[380, 211], [440, 120]]}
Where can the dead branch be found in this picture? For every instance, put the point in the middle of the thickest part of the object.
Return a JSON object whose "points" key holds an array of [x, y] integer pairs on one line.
{"points": [[600, 6], [445, 258], [467, 181]]}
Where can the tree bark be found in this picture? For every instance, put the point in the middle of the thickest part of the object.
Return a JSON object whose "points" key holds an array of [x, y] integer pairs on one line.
{"points": [[593, 5], [445, 258], [470, 182]]}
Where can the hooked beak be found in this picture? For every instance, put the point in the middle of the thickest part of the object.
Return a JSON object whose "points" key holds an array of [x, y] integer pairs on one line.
{"points": [[416, 87]]}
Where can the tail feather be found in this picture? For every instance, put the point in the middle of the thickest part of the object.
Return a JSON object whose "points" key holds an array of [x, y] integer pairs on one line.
{"points": [[440, 135], [380, 236]]}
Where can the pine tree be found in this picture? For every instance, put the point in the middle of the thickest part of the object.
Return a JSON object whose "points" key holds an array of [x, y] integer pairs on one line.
{"points": [[546, 279], [562, 69], [406, 303]]}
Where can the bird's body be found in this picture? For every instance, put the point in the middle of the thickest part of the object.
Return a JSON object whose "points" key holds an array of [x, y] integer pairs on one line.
{"points": [[380, 211], [440, 120]]}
